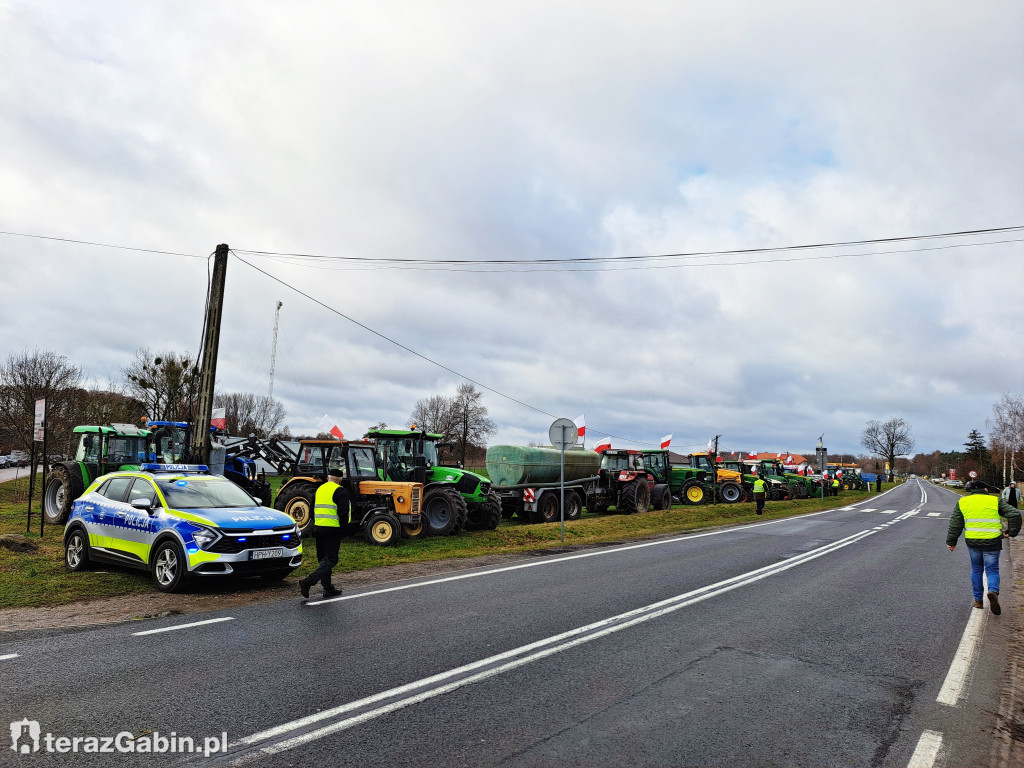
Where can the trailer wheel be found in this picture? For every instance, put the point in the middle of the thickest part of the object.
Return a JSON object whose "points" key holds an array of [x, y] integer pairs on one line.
{"points": [[296, 501], [547, 509], [63, 486], [730, 492], [573, 506], [694, 493], [382, 529]]}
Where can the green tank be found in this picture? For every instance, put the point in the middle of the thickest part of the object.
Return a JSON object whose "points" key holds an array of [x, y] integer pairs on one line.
{"points": [[517, 465]]}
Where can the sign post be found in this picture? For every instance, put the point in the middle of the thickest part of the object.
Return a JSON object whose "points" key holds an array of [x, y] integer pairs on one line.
{"points": [[563, 434]]}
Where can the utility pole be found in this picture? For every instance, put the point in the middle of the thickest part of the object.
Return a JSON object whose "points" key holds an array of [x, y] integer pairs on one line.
{"points": [[208, 371], [273, 350]]}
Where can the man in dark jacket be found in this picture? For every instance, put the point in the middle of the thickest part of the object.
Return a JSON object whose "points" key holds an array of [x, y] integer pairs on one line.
{"points": [[332, 511], [978, 516]]}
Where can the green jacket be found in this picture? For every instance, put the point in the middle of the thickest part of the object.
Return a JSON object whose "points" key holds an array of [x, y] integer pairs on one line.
{"points": [[956, 527]]}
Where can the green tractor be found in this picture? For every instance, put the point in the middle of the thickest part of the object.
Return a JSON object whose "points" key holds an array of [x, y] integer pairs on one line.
{"points": [[100, 450], [705, 479], [781, 484], [657, 464], [453, 498]]}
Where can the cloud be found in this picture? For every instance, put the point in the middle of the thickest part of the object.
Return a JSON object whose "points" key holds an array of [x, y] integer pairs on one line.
{"points": [[531, 131]]}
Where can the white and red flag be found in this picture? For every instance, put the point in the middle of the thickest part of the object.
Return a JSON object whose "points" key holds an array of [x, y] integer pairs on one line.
{"points": [[219, 419], [581, 426], [789, 459], [666, 441], [326, 424], [603, 444], [752, 455]]}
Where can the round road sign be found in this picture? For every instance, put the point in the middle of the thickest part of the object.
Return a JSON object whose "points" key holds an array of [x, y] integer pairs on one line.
{"points": [[563, 434], [972, 474]]}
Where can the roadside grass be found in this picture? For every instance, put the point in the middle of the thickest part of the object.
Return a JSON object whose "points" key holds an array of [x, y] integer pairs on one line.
{"points": [[32, 579]]}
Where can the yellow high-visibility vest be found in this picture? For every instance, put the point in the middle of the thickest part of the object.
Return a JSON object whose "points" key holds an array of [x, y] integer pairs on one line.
{"points": [[325, 511], [981, 517], [759, 486]]}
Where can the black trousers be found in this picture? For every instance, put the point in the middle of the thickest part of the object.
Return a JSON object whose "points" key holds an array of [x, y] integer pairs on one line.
{"points": [[328, 544], [759, 498]]}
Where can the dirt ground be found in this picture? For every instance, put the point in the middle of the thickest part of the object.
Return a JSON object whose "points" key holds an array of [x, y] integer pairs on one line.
{"points": [[213, 596]]}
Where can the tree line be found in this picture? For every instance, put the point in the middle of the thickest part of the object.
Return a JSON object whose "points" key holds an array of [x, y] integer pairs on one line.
{"points": [[160, 387]]}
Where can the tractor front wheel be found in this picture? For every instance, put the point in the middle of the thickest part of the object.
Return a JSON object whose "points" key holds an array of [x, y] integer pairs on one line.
{"points": [[486, 515], [445, 510], [730, 492], [693, 492], [382, 529]]}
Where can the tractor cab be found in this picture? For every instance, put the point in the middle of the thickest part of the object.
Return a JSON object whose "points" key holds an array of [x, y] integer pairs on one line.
{"points": [[622, 460], [657, 464]]}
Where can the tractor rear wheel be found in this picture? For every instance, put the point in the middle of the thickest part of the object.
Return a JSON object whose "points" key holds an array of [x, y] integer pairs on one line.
{"points": [[693, 492], [662, 497], [634, 497], [296, 501], [382, 529], [486, 515], [730, 492], [573, 507], [445, 510], [63, 486]]}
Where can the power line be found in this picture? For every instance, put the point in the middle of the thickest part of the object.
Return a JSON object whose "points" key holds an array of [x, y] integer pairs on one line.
{"points": [[412, 351], [102, 245], [647, 257]]}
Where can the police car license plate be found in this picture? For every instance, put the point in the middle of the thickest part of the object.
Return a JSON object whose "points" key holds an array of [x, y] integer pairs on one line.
{"points": [[263, 554]]}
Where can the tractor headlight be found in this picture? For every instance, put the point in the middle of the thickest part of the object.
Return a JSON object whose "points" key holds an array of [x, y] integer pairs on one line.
{"points": [[204, 537], [400, 499]]}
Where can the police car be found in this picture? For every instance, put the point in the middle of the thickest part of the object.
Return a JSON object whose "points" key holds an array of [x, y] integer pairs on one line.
{"points": [[180, 523]]}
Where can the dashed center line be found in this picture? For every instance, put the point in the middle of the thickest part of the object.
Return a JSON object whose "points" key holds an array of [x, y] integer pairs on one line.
{"points": [[7, 656], [182, 626], [927, 751]]}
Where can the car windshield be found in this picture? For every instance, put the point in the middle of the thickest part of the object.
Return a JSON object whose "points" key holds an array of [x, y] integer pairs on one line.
{"points": [[197, 492]]}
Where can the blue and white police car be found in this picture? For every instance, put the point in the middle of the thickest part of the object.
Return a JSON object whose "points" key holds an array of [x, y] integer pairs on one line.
{"points": [[180, 523]]}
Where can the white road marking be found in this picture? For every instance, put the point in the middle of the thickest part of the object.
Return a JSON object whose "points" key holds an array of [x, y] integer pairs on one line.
{"points": [[885, 511], [869, 509], [182, 626], [934, 514], [554, 560], [7, 656], [363, 710], [927, 751], [959, 671]]}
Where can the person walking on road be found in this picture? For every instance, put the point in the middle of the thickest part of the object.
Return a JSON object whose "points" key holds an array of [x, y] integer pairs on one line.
{"points": [[759, 494], [1010, 495], [331, 505], [878, 482], [978, 516]]}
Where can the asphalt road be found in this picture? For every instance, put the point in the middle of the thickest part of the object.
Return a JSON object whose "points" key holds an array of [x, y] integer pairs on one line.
{"points": [[822, 640]]}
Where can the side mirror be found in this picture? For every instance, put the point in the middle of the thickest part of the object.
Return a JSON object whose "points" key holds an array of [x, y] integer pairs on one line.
{"points": [[146, 504]]}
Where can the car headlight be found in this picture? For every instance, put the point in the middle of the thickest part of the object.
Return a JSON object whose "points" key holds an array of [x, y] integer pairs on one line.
{"points": [[204, 537]]}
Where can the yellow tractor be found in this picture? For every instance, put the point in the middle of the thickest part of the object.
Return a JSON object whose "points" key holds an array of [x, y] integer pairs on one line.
{"points": [[384, 511]]}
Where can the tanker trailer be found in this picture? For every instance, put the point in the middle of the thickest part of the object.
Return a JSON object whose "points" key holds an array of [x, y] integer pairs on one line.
{"points": [[527, 480]]}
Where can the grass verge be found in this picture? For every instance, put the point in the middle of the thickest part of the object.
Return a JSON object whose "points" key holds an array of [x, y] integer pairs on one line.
{"points": [[32, 579]]}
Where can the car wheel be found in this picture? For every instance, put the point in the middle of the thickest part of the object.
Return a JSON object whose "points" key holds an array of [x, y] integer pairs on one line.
{"points": [[76, 550], [170, 568]]}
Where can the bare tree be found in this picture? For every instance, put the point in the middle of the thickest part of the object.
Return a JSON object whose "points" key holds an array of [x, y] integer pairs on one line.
{"points": [[434, 414], [1006, 432], [462, 418], [472, 425], [166, 384], [32, 375], [249, 414], [888, 439]]}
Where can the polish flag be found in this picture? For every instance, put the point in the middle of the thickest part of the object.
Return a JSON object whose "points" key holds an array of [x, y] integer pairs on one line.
{"points": [[219, 419], [603, 444], [326, 424], [752, 455], [666, 441], [581, 427], [789, 459]]}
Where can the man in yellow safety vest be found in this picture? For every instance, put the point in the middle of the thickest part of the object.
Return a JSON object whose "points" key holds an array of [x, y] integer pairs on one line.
{"points": [[978, 516], [332, 509], [759, 494]]}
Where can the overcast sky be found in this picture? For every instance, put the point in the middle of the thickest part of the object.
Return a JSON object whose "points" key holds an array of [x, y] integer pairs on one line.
{"points": [[524, 131]]}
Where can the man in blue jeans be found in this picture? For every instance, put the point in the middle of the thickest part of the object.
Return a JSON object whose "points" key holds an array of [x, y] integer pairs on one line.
{"points": [[979, 517]]}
